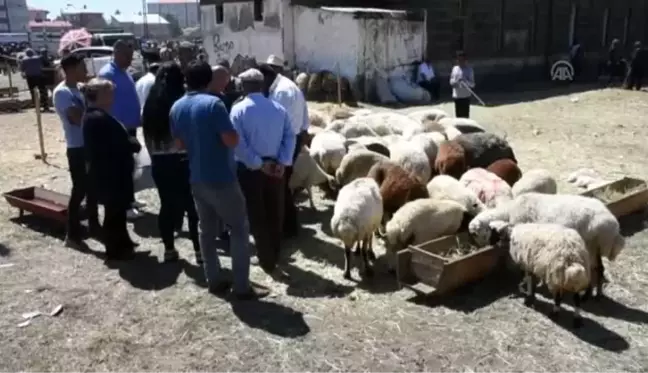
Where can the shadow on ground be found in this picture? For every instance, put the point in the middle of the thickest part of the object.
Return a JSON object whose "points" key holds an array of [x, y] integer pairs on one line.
{"points": [[4, 250], [608, 307], [146, 226], [147, 273], [272, 317], [591, 332], [634, 223]]}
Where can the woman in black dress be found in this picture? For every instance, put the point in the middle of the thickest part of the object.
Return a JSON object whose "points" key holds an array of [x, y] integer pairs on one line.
{"points": [[109, 150]]}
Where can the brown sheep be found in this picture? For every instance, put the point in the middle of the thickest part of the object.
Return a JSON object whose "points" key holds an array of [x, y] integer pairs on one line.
{"points": [[397, 186], [507, 170], [450, 160]]}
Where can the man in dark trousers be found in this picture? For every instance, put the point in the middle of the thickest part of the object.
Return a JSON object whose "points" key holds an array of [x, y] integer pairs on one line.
{"points": [[32, 68], [638, 62]]}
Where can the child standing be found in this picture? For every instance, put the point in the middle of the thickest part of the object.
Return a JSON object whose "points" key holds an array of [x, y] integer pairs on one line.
{"points": [[462, 80]]}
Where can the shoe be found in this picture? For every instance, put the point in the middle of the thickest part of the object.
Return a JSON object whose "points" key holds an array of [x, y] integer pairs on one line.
{"points": [[133, 214], [171, 256], [253, 292], [220, 288]]}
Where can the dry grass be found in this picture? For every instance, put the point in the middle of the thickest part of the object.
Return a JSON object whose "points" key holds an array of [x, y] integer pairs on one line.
{"points": [[148, 316]]}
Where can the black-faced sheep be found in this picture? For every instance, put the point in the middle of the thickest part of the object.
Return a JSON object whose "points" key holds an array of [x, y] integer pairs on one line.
{"points": [[482, 149]]}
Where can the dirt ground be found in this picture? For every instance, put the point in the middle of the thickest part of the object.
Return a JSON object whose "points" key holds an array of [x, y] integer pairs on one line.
{"points": [[149, 316]]}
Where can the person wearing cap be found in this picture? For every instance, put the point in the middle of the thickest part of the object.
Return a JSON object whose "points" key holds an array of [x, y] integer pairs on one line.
{"points": [[200, 124], [265, 150], [32, 69], [70, 106], [144, 84], [126, 106], [285, 92]]}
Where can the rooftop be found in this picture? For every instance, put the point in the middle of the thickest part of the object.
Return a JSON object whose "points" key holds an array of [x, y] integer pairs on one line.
{"points": [[50, 24], [151, 18], [173, 1]]}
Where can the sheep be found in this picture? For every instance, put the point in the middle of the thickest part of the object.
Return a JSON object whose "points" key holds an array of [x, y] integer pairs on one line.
{"points": [[490, 188], [318, 118], [507, 170], [537, 180], [549, 252], [432, 114], [357, 215], [448, 188], [328, 148], [420, 221], [451, 132], [397, 186], [376, 144], [482, 149], [377, 124], [464, 125], [310, 133], [412, 158], [450, 159], [356, 164], [306, 173], [588, 216], [426, 141]]}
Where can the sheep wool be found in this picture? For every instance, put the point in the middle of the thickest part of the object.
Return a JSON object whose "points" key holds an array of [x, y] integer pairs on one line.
{"points": [[507, 170], [356, 164], [464, 125], [554, 254], [397, 186], [450, 159], [537, 180], [357, 215], [412, 158], [431, 115], [306, 173], [318, 118], [446, 187], [490, 188], [428, 143], [377, 124], [376, 144], [482, 149], [327, 149]]}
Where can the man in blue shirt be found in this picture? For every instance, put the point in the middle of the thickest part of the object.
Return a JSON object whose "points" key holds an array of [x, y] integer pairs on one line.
{"points": [[126, 106], [69, 105], [265, 149], [200, 124]]}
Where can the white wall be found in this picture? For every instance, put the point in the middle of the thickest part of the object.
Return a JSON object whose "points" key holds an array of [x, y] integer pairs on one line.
{"points": [[185, 13], [324, 39], [239, 34]]}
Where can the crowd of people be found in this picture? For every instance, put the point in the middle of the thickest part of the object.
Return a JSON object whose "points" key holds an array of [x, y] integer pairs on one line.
{"points": [[221, 152]]}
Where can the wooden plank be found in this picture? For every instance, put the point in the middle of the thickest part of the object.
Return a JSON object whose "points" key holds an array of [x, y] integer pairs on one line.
{"points": [[403, 273], [632, 202], [467, 269], [426, 267], [51, 196]]}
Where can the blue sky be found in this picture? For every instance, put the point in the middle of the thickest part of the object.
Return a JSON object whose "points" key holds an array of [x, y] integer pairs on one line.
{"points": [[106, 7]]}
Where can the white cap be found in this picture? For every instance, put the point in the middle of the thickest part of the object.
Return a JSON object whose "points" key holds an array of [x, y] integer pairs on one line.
{"points": [[251, 75], [275, 61]]}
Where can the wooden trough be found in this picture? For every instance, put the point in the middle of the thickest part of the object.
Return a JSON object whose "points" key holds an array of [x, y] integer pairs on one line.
{"points": [[39, 201], [623, 196], [428, 270]]}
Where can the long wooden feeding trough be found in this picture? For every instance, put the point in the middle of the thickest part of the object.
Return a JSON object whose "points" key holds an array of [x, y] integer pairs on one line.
{"points": [[623, 196], [442, 265], [41, 202]]}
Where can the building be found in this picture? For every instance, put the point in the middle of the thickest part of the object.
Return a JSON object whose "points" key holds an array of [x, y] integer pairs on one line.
{"points": [[14, 16], [84, 18], [185, 12], [152, 26], [36, 14], [506, 41]]}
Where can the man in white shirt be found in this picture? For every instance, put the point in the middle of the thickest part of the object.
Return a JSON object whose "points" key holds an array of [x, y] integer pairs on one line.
{"points": [[144, 84], [427, 79], [284, 91]]}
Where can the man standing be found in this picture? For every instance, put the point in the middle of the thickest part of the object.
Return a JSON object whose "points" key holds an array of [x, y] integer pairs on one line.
{"points": [[638, 62], [32, 68], [126, 106], [69, 105], [426, 78], [265, 149], [462, 81], [144, 84], [200, 123], [285, 92], [186, 54], [220, 79]]}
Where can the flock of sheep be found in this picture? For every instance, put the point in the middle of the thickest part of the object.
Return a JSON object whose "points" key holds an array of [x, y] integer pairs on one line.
{"points": [[414, 178]]}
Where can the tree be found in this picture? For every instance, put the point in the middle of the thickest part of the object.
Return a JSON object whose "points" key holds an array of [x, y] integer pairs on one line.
{"points": [[174, 25]]}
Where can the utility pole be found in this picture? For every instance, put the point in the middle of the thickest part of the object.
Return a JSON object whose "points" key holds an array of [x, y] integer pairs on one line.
{"points": [[145, 31]]}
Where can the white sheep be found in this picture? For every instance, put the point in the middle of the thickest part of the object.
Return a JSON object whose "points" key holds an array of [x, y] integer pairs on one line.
{"points": [[428, 143], [588, 216], [306, 173], [490, 188], [318, 118], [328, 148], [452, 132], [376, 124], [537, 180], [420, 221], [376, 144], [412, 158], [464, 125], [448, 188], [357, 215], [356, 164], [552, 253], [429, 118]]}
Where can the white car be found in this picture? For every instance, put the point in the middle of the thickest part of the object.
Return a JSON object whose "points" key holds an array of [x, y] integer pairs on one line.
{"points": [[97, 57]]}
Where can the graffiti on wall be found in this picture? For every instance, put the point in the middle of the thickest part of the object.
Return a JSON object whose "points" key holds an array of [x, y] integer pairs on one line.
{"points": [[222, 48]]}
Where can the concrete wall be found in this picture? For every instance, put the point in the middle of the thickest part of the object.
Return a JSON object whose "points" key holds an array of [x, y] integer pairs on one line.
{"points": [[186, 13], [239, 35], [17, 15]]}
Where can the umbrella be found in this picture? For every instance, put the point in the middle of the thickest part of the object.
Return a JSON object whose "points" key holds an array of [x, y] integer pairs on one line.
{"points": [[73, 39]]}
